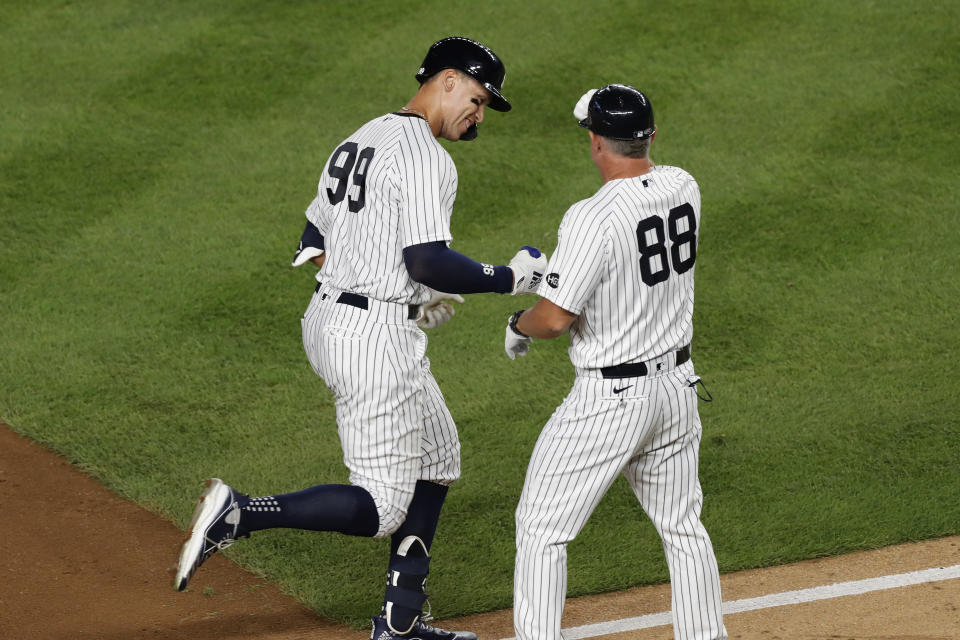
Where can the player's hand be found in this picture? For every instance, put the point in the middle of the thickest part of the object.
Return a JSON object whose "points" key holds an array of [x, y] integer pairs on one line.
{"points": [[437, 310], [528, 267], [516, 343]]}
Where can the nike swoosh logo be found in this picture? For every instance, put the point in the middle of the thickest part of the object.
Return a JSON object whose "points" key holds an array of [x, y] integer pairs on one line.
{"points": [[618, 390]]}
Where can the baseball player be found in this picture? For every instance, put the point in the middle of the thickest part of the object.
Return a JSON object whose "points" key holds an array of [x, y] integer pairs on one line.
{"points": [[379, 228], [621, 282]]}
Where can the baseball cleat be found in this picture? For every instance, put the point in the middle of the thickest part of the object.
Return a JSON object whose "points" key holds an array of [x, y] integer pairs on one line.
{"points": [[215, 526], [420, 631]]}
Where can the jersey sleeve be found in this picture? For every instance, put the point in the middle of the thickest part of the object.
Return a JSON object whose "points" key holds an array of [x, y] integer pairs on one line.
{"points": [[426, 188], [313, 214], [319, 212], [577, 264]]}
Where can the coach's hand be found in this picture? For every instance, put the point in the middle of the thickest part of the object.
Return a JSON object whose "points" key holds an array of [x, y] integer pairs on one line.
{"points": [[516, 343], [528, 268], [437, 310]]}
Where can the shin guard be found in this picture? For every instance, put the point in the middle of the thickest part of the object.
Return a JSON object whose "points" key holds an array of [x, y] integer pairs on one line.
{"points": [[407, 577]]}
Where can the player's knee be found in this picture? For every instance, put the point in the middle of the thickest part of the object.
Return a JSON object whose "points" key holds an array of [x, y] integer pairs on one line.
{"points": [[390, 521], [391, 509], [525, 524], [682, 535], [533, 528]]}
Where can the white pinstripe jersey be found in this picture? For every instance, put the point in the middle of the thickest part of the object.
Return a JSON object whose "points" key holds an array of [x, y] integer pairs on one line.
{"points": [[388, 186], [624, 264]]}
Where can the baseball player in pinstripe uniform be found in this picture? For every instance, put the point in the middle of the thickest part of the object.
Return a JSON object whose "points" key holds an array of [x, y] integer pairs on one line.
{"points": [[621, 282], [379, 229]]}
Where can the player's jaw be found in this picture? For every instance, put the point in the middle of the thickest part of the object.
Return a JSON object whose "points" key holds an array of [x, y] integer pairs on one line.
{"points": [[464, 118], [470, 120], [466, 107]]}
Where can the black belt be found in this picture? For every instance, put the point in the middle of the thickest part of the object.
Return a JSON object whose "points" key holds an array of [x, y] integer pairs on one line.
{"points": [[360, 302], [638, 369]]}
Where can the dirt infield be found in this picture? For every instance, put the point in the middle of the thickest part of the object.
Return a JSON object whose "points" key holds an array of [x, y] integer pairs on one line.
{"points": [[80, 563]]}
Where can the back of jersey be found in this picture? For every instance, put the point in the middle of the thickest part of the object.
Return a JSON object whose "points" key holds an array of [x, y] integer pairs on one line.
{"points": [[629, 254], [388, 186]]}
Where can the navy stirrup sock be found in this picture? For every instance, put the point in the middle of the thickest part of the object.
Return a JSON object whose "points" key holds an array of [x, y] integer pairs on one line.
{"points": [[423, 514], [345, 508]]}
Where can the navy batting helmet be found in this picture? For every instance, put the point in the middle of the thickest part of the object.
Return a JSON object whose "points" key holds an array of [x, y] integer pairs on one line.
{"points": [[620, 112], [472, 58]]}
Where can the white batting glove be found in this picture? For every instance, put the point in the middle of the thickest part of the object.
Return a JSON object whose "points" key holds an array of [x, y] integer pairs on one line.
{"points": [[516, 343], [305, 253], [580, 111], [437, 310], [528, 267]]}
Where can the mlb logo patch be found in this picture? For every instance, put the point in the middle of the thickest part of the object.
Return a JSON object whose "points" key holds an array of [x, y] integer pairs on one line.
{"points": [[553, 280]]}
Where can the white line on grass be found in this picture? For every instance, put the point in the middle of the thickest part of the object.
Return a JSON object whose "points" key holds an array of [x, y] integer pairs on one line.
{"points": [[799, 596]]}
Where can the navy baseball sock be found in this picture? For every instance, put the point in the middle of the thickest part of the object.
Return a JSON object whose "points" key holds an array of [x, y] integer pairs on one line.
{"points": [[345, 508], [407, 573], [423, 514]]}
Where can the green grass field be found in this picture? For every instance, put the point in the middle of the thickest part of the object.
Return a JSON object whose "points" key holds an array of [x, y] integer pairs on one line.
{"points": [[156, 158]]}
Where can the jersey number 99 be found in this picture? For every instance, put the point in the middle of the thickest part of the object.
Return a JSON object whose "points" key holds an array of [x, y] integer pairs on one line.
{"points": [[653, 271], [341, 173]]}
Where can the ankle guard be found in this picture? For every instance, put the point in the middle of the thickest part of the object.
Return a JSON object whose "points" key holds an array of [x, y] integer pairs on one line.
{"points": [[409, 567]]}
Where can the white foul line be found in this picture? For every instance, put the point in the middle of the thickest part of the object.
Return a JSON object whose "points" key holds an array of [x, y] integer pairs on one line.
{"points": [[800, 596]]}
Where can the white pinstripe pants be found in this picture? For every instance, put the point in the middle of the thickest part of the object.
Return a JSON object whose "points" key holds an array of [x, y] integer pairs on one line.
{"points": [[393, 423], [651, 433]]}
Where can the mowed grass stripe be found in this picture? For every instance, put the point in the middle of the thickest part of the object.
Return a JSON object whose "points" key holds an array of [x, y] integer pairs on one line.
{"points": [[157, 158]]}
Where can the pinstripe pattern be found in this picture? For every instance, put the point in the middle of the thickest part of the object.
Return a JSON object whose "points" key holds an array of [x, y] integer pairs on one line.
{"points": [[647, 428], [394, 426], [393, 423], [597, 261], [411, 185]]}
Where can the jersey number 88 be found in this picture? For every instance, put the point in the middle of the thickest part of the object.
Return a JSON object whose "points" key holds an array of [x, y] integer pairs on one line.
{"points": [[654, 272]]}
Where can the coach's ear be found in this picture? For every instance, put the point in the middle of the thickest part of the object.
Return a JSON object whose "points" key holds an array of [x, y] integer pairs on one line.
{"points": [[596, 142]]}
